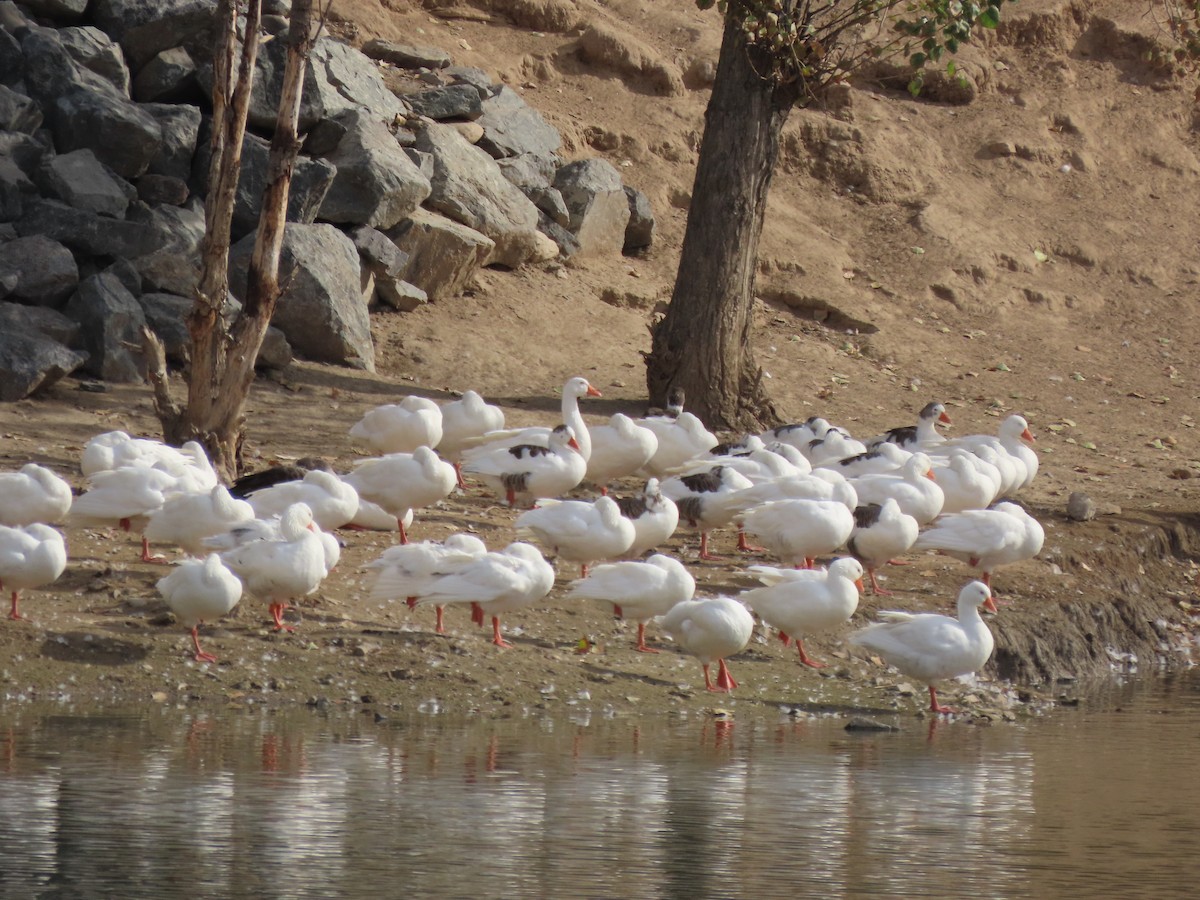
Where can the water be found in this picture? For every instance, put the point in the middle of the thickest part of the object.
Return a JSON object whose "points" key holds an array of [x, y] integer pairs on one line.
{"points": [[1100, 801]]}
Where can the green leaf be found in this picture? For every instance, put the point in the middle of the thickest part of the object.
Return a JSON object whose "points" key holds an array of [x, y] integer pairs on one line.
{"points": [[990, 17], [917, 60]]}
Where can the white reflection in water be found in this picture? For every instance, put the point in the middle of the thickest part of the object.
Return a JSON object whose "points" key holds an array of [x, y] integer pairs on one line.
{"points": [[168, 804]]}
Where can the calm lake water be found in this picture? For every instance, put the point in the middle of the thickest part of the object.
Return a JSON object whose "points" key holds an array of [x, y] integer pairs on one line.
{"points": [[1098, 801]]}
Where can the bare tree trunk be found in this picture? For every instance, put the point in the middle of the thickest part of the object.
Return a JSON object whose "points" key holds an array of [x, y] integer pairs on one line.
{"points": [[222, 363], [703, 342]]}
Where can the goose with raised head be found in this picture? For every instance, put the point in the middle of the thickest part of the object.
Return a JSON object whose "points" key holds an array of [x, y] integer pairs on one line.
{"points": [[199, 591], [30, 557], [931, 647], [711, 630], [495, 583], [400, 427], [921, 436], [33, 494], [807, 601], [637, 590], [529, 470], [572, 392], [578, 530]]}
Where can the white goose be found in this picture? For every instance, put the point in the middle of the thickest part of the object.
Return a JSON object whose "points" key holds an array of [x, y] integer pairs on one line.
{"points": [[886, 457], [33, 494], [116, 449], [881, 533], [495, 583], [807, 601], [710, 629], [986, 538], [798, 531], [126, 497], [638, 590], [706, 500], [400, 482], [913, 487], [836, 445], [271, 529], [282, 570], [333, 502], [1019, 462], [921, 436], [619, 448], [819, 484], [572, 392], [931, 647], [654, 517], [408, 570], [200, 590], [579, 531], [400, 427], [30, 557], [679, 440], [799, 434], [185, 519], [464, 419], [966, 480], [529, 470]]}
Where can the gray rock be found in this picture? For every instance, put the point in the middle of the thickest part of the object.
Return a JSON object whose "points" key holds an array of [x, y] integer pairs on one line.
{"points": [[478, 78], [529, 172], [599, 208], [46, 271], [168, 76], [639, 232], [322, 311], [456, 101], [122, 135], [50, 72], [79, 180], [861, 723], [406, 56], [399, 294], [126, 273], [12, 60], [157, 190], [87, 232], [378, 253], [443, 255], [348, 79], [14, 186], [97, 52], [324, 137], [18, 112], [567, 243], [180, 126], [275, 352], [41, 319], [145, 28], [511, 127], [27, 151], [166, 315], [111, 320], [66, 10], [175, 267], [1080, 507], [422, 160], [375, 183], [469, 188], [30, 362]]}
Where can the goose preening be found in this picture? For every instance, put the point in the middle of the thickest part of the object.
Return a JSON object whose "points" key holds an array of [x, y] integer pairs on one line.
{"points": [[706, 500], [986, 538], [931, 647], [270, 530], [967, 481], [400, 427], [33, 494], [126, 497], [710, 630], [886, 457], [399, 482], [406, 571], [882, 532], [654, 517], [799, 434], [578, 530], [798, 531], [913, 487], [186, 519], [802, 602], [199, 591], [332, 501], [529, 470], [638, 590], [116, 449], [920, 436], [30, 557], [463, 420], [619, 448], [679, 440], [495, 583], [836, 445], [285, 569]]}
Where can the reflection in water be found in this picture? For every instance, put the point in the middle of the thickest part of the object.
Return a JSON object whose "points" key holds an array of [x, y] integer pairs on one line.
{"points": [[295, 804]]}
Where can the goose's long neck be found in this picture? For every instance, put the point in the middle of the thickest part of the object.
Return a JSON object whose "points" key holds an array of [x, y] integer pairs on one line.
{"points": [[573, 417]]}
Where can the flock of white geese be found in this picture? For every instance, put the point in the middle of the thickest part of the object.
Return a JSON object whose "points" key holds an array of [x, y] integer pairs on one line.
{"points": [[803, 491]]}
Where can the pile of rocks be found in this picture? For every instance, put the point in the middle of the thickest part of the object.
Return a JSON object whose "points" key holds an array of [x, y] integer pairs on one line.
{"points": [[406, 186]]}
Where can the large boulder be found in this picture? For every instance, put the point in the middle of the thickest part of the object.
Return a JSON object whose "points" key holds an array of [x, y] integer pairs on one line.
{"points": [[40, 319], [145, 28], [180, 125], [97, 52], [599, 209], [15, 185], [469, 188], [86, 232], [123, 136], [65, 10], [30, 361], [174, 268], [376, 183], [442, 254], [406, 56], [111, 321], [169, 76], [455, 101], [322, 309], [512, 127], [80, 180], [18, 112], [46, 271]]}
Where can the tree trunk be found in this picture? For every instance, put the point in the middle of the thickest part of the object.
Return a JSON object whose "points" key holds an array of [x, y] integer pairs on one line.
{"points": [[222, 361], [703, 342]]}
